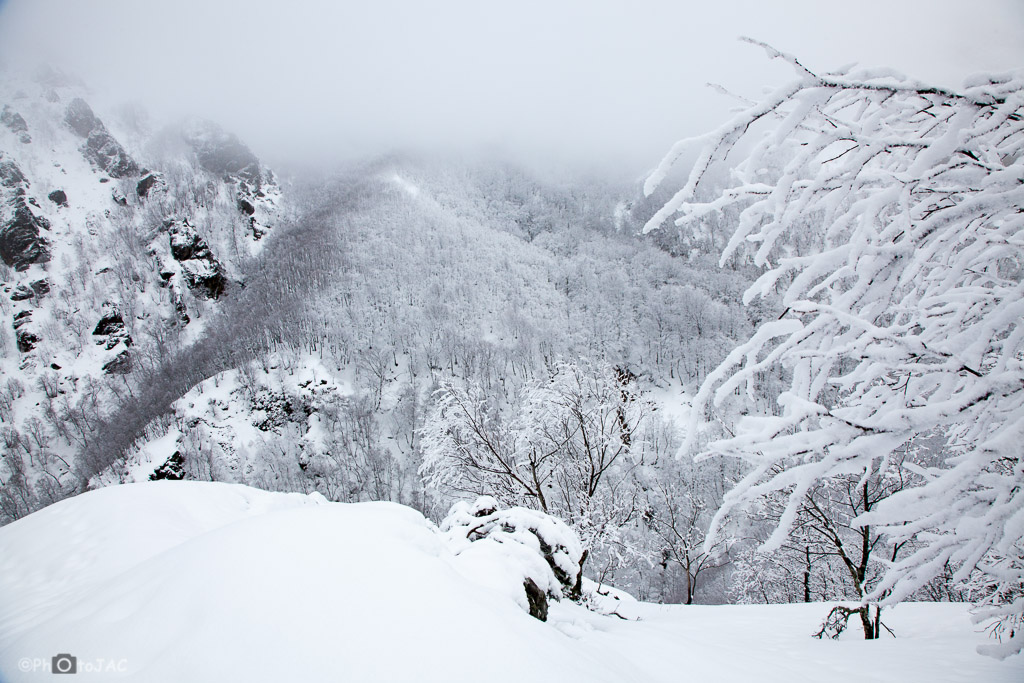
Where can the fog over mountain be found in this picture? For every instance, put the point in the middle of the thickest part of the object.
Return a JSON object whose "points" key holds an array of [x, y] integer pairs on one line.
{"points": [[593, 82]]}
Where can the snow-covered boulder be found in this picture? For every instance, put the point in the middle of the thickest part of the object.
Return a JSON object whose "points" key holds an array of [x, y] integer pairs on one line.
{"points": [[533, 555]]}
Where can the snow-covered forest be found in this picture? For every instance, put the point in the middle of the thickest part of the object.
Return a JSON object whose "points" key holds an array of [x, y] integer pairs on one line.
{"points": [[507, 417]]}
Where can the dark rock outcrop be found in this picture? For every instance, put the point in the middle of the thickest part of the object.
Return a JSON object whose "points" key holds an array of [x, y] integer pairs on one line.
{"points": [[222, 153], [148, 182], [41, 288], [180, 309], [16, 123], [247, 200], [186, 243], [205, 278], [58, 197], [26, 339], [100, 149], [13, 120], [203, 274], [21, 243], [80, 117], [110, 328], [107, 154], [35, 290], [121, 364], [172, 469], [11, 177], [537, 600]]}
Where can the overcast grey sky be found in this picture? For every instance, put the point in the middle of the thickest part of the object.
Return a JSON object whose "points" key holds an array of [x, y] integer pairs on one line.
{"points": [[580, 79]]}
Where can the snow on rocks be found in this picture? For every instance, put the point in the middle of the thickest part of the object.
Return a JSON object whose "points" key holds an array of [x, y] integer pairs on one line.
{"points": [[101, 149], [514, 548], [228, 422], [84, 194], [21, 240]]}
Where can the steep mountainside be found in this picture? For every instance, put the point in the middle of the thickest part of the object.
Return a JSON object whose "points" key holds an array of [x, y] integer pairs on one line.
{"points": [[112, 256]]}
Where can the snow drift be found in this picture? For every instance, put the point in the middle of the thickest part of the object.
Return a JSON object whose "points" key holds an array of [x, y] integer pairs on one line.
{"points": [[181, 581], [187, 581]]}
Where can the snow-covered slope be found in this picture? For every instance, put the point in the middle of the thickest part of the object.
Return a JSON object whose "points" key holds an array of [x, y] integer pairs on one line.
{"points": [[175, 581], [214, 582]]}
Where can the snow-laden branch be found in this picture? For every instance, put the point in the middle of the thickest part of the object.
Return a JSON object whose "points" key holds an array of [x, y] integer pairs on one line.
{"points": [[905, 303]]}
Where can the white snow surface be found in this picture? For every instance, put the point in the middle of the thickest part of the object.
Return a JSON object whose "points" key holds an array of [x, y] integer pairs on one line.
{"points": [[188, 581]]}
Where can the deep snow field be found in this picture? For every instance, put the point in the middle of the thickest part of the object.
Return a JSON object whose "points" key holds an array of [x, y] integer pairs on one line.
{"points": [[186, 581]]}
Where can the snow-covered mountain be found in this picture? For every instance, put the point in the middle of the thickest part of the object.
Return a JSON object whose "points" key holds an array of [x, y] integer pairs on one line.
{"points": [[421, 332], [117, 242], [402, 273]]}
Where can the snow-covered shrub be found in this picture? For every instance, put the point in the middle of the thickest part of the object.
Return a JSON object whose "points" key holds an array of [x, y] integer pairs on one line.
{"points": [[515, 548]]}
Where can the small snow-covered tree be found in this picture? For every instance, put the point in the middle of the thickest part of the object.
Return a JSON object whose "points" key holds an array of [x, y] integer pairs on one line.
{"points": [[902, 324], [682, 497], [567, 446], [828, 553]]}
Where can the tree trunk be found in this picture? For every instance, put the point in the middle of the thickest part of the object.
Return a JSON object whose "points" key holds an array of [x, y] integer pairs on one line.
{"points": [[866, 623], [689, 582], [807, 575], [577, 590]]}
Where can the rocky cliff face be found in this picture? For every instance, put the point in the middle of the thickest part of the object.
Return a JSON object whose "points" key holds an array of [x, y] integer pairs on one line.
{"points": [[101, 149], [223, 155], [201, 271], [111, 258], [22, 240], [16, 124]]}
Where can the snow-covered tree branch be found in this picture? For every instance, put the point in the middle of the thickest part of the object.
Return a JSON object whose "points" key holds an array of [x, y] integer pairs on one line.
{"points": [[902, 328]]}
